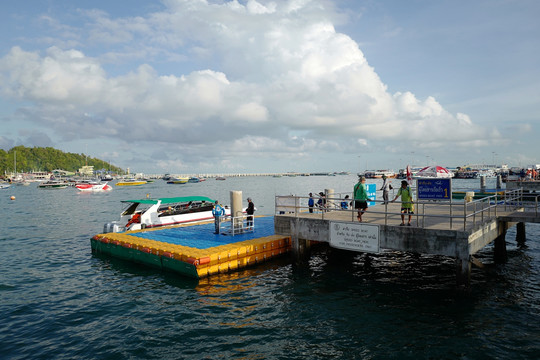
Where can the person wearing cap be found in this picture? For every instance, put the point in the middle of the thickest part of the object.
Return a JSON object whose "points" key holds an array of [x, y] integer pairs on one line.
{"points": [[218, 211], [249, 211], [386, 187], [407, 205], [360, 197]]}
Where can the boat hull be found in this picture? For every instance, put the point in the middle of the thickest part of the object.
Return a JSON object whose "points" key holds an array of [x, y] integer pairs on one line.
{"points": [[93, 187], [130, 183]]}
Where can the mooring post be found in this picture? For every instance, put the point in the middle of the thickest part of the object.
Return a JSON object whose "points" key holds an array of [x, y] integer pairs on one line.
{"points": [[483, 183], [520, 233], [499, 254]]}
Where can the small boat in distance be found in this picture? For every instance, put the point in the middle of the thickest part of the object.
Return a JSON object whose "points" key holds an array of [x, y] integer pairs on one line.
{"points": [[53, 184], [378, 174], [131, 182], [179, 180], [149, 213], [220, 178]]}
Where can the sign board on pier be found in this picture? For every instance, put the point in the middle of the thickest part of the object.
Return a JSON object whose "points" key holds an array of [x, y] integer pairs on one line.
{"points": [[434, 189], [371, 193], [355, 236]]}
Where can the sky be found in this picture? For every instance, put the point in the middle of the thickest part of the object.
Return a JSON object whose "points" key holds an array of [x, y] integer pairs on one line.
{"points": [[246, 86]]}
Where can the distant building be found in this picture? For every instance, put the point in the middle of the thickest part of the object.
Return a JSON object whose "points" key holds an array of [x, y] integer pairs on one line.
{"points": [[59, 172], [87, 170]]}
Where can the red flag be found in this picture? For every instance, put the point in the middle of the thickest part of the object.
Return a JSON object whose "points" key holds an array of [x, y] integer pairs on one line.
{"points": [[409, 174]]}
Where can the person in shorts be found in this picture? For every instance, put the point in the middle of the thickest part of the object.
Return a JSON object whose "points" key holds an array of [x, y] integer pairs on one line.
{"points": [[407, 206], [360, 197]]}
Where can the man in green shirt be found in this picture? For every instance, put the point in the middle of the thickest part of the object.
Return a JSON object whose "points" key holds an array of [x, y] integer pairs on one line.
{"points": [[360, 197], [407, 206]]}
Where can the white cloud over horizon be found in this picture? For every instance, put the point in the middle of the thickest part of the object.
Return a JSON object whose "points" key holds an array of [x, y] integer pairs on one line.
{"points": [[243, 81]]}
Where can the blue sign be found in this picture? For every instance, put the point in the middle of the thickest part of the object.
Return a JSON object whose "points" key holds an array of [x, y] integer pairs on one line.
{"points": [[434, 189], [371, 193]]}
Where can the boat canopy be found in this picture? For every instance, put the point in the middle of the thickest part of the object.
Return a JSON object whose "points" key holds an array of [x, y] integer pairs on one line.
{"points": [[171, 200]]}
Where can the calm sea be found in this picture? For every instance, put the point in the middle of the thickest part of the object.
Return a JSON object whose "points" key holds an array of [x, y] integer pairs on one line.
{"points": [[59, 301]]}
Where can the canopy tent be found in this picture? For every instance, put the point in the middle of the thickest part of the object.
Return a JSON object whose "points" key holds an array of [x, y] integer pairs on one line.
{"points": [[434, 171]]}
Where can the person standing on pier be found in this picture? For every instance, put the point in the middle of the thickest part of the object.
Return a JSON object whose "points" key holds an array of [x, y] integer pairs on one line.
{"points": [[386, 187], [311, 203], [249, 211], [218, 211], [360, 197], [407, 206]]}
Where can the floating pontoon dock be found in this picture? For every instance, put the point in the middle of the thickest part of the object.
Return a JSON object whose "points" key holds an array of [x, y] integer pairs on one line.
{"points": [[194, 250]]}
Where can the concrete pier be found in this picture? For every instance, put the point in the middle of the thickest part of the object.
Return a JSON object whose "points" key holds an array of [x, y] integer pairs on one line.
{"points": [[457, 230]]}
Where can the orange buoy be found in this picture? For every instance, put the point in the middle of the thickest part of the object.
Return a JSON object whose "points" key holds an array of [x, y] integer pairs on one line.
{"points": [[12, 197]]}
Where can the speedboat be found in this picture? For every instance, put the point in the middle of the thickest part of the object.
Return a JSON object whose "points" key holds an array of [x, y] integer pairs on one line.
{"points": [[131, 182], [150, 213], [4, 185], [93, 186], [180, 180], [53, 184], [106, 177]]}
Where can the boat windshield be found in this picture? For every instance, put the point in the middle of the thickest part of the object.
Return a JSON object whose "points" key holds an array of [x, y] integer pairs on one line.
{"points": [[184, 208], [130, 209]]}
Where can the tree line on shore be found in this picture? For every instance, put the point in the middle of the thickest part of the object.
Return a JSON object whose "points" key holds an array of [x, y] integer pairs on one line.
{"points": [[27, 159]]}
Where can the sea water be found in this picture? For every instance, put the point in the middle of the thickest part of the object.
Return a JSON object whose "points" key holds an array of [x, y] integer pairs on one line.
{"points": [[60, 301]]}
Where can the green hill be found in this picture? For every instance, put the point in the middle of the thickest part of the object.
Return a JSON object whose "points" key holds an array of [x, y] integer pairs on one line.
{"points": [[48, 159]]}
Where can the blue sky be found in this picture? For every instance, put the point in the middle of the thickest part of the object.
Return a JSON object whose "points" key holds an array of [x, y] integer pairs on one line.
{"points": [[205, 86]]}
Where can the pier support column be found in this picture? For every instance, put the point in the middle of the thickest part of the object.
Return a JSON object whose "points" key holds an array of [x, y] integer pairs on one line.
{"points": [[500, 255], [463, 271], [520, 233], [301, 248]]}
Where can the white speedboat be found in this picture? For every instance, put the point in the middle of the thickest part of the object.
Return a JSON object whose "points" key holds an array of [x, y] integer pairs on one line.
{"points": [[93, 186], [149, 213]]}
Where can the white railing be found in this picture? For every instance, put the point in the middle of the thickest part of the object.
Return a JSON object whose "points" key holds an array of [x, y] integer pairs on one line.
{"points": [[237, 225], [476, 211]]}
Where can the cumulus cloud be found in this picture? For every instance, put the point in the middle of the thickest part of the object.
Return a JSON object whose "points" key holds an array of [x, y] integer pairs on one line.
{"points": [[273, 68]]}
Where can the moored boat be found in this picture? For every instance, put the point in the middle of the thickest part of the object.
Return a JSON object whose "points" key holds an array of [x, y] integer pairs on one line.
{"points": [[149, 213], [131, 182], [179, 180], [93, 186], [378, 174], [53, 184]]}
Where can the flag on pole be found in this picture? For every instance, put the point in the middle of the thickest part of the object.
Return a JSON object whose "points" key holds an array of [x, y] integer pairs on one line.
{"points": [[409, 174]]}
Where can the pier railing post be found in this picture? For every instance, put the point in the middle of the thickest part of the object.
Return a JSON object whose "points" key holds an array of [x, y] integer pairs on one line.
{"points": [[464, 215]]}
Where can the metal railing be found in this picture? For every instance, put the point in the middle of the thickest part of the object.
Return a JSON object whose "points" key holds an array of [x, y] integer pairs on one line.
{"points": [[465, 212], [237, 225]]}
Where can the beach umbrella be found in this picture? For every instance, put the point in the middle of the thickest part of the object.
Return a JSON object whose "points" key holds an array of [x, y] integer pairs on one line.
{"points": [[435, 171]]}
